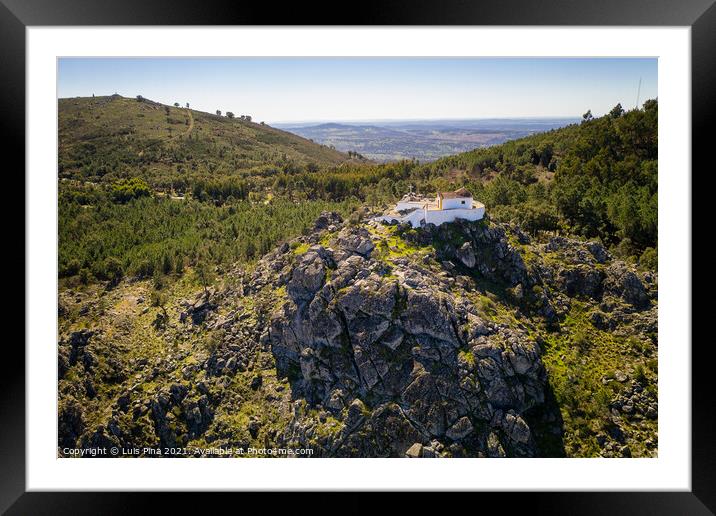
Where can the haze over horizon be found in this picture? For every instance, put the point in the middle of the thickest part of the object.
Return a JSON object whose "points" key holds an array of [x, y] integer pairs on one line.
{"points": [[359, 90], [401, 121]]}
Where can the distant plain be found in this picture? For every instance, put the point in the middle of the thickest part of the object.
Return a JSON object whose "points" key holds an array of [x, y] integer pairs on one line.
{"points": [[424, 140]]}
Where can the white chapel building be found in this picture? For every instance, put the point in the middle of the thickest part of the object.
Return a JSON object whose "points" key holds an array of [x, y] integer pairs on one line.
{"points": [[445, 207]]}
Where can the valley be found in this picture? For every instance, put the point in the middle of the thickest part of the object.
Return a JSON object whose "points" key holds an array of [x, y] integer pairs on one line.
{"points": [[422, 140]]}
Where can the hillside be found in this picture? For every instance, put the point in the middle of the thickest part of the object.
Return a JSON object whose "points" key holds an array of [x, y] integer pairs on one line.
{"points": [[364, 340], [596, 179], [220, 286], [102, 139]]}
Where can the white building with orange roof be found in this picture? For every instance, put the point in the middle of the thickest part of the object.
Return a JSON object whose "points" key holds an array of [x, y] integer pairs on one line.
{"points": [[445, 207]]}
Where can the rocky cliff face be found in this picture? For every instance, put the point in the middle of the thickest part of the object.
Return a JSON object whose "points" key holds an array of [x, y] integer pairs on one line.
{"points": [[369, 340], [390, 341]]}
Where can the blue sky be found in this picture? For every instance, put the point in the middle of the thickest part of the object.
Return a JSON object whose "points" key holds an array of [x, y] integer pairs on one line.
{"points": [[340, 89]]}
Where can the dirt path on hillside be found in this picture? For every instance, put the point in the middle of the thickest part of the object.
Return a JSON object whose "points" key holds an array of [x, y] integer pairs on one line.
{"points": [[191, 124]]}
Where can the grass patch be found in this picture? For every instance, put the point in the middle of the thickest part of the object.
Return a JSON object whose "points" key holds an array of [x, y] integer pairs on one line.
{"points": [[299, 248], [578, 358], [467, 357]]}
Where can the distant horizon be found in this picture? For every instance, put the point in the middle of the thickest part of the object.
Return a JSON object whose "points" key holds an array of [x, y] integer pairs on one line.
{"points": [[439, 119], [280, 90]]}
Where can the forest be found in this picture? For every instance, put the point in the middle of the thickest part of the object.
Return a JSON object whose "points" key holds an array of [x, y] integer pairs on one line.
{"points": [[148, 190]]}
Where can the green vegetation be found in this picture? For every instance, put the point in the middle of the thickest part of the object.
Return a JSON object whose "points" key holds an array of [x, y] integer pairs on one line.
{"points": [[177, 198], [392, 245], [125, 190], [104, 139], [299, 248], [581, 361], [146, 235], [149, 184], [467, 357], [597, 179]]}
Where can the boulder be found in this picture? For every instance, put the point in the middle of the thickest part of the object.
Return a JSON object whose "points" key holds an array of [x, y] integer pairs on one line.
{"points": [[516, 428], [415, 451], [356, 240], [307, 278], [327, 219], [581, 280], [462, 428], [621, 281], [466, 255]]}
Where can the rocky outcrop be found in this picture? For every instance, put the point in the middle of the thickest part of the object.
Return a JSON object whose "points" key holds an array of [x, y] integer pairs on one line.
{"points": [[71, 423], [198, 310], [368, 342], [422, 362], [575, 251], [626, 284], [477, 245], [580, 281], [466, 255], [587, 270]]}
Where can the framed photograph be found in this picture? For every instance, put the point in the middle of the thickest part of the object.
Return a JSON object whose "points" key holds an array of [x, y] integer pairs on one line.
{"points": [[447, 232]]}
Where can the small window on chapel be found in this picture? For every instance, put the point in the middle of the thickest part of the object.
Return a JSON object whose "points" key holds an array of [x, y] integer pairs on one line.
{"points": [[462, 202]]}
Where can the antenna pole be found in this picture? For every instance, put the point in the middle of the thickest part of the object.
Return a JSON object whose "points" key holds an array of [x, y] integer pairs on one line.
{"points": [[638, 92]]}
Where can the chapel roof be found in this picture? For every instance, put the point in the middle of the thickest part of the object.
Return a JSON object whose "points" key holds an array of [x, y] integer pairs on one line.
{"points": [[462, 192]]}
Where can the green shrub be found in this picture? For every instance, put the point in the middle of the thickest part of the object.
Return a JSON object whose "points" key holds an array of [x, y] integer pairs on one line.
{"points": [[111, 269], [144, 268], [581, 340], [128, 189], [159, 280], [71, 268], [85, 276], [487, 305], [167, 266], [179, 264], [640, 374], [649, 259]]}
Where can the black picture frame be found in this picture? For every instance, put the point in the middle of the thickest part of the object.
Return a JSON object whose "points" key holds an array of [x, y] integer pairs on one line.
{"points": [[700, 15]]}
